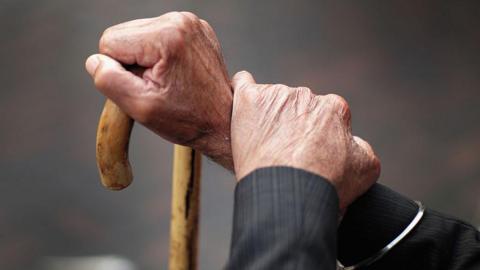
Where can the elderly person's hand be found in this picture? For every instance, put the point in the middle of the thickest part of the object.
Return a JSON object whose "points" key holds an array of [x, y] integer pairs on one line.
{"points": [[175, 83], [276, 125]]}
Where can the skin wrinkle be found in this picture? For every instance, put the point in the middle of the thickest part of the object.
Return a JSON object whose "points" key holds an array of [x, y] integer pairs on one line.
{"points": [[211, 78], [189, 99], [276, 105], [215, 110], [185, 80], [291, 127]]}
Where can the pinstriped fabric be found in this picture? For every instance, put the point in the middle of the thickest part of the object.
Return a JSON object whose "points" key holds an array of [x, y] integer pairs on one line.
{"points": [[438, 242], [284, 218]]}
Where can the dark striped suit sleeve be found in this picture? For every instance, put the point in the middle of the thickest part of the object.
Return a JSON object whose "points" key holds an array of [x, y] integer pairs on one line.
{"points": [[284, 218], [438, 241]]}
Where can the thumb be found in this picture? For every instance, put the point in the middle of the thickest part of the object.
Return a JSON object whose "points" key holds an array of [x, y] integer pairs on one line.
{"points": [[115, 82], [242, 79], [368, 150]]}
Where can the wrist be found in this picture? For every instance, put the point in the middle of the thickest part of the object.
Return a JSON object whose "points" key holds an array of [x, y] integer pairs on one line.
{"points": [[217, 146], [221, 154]]}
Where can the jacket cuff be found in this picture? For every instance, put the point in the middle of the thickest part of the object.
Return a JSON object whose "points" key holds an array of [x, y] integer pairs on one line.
{"points": [[277, 208], [371, 222]]}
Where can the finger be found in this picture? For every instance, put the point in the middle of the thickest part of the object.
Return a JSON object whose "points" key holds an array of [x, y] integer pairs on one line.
{"points": [[210, 34], [129, 46], [368, 150], [125, 42], [144, 42], [115, 82], [133, 24], [364, 145], [242, 79], [207, 27]]}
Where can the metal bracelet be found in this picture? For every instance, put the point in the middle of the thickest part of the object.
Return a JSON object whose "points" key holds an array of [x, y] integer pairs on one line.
{"points": [[387, 248]]}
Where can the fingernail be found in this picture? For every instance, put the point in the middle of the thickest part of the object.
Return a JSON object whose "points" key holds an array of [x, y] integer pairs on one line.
{"points": [[92, 64]]}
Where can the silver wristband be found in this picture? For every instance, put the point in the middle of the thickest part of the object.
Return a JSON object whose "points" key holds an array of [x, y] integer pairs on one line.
{"points": [[387, 248]]}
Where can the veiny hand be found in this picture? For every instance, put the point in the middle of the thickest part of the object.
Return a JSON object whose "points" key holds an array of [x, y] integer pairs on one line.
{"points": [[276, 125], [177, 84]]}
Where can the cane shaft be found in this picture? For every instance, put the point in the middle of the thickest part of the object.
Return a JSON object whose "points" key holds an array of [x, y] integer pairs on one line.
{"points": [[185, 209]]}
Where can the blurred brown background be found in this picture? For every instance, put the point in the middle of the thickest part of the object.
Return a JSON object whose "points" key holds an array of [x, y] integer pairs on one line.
{"points": [[410, 70]]}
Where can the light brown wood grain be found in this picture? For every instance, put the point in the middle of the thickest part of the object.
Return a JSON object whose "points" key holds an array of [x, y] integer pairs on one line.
{"points": [[185, 209], [113, 136]]}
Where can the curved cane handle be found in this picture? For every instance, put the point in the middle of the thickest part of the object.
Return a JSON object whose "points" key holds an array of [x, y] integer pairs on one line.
{"points": [[113, 136]]}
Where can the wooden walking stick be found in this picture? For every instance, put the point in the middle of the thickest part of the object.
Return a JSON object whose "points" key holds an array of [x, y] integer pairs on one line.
{"points": [[185, 208], [113, 135]]}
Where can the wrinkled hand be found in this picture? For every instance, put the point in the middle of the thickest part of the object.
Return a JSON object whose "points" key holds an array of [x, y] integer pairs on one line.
{"points": [[177, 84], [276, 125]]}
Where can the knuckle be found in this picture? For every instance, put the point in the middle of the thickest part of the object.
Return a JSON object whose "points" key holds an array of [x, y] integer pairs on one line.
{"points": [[190, 15], [304, 90], [205, 23], [281, 87], [174, 38], [174, 15], [183, 20], [181, 26], [340, 105], [210, 32], [177, 38], [337, 100]]}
